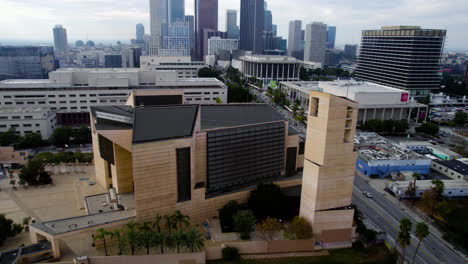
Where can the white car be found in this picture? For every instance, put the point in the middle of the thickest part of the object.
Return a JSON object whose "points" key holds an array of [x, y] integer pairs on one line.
{"points": [[367, 194]]}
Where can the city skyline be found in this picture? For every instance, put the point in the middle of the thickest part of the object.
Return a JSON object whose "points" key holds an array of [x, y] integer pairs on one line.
{"points": [[109, 20]]}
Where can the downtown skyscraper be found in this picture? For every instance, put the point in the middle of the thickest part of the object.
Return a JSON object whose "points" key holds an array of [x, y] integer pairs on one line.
{"points": [[315, 39], [60, 39], [331, 37], [206, 19], [140, 32], [252, 25], [176, 11], [232, 29], [405, 57], [295, 49]]}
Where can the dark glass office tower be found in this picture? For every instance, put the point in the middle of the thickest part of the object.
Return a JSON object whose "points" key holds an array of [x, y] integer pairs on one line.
{"points": [[206, 17], [176, 11], [252, 24], [405, 57]]}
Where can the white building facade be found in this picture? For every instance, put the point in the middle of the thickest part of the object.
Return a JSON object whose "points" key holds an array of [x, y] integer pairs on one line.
{"points": [[315, 39], [71, 92], [184, 66], [270, 67], [26, 120], [215, 44]]}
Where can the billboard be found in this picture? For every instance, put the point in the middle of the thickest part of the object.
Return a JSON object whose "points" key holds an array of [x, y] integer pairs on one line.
{"points": [[404, 97]]}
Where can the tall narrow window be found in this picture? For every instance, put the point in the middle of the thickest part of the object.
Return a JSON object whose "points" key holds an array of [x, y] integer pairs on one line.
{"points": [[183, 175], [314, 106]]}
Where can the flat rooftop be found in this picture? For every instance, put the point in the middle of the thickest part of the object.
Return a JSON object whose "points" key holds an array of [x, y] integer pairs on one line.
{"points": [[232, 115], [62, 226], [427, 184], [371, 146], [270, 59], [455, 165]]}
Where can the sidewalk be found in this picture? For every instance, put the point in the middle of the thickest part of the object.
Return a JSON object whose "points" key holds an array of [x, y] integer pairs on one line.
{"points": [[379, 185]]}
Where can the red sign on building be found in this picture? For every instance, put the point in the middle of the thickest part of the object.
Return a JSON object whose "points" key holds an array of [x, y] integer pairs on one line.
{"points": [[404, 97]]}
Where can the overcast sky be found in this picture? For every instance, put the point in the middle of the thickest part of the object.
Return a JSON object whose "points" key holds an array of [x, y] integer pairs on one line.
{"points": [[112, 20]]}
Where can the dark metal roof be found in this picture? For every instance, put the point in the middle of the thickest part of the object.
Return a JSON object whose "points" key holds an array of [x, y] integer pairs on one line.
{"points": [[106, 124], [162, 123], [124, 110], [455, 165], [232, 115]]}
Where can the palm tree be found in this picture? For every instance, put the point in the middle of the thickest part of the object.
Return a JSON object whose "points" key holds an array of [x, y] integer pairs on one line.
{"points": [[194, 240], [170, 223], [101, 234], [179, 238], [157, 223], [422, 231], [160, 240], [121, 242], [132, 235], [180, 219], [146, 236], [404, 237]]}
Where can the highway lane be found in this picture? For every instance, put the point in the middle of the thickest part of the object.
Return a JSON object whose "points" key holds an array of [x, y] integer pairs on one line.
{"points": [[387, 215]]}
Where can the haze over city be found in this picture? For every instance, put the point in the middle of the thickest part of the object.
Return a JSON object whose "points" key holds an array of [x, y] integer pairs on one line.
{"points": [[111, 20]]}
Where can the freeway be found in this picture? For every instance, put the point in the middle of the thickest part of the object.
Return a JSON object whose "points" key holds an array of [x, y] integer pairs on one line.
{"points": [[386, 215]]}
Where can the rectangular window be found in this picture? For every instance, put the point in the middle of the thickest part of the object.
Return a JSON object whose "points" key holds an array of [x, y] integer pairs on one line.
{"points": [[31, 103], [52, 102], [7, 96], [27, 125], [314, 106], [14, 126], [8, 103], [183, 175], [63, 102], [72, 95], [62, 95], [41, 102], [83, 102], [19, 103], [51, 95], [93, 101], [16, 117], [28, 117], [82, 95], [72, 102]]}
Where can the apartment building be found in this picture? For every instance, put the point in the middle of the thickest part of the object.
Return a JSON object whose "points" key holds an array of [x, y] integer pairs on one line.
{"points": [[71, 92]]}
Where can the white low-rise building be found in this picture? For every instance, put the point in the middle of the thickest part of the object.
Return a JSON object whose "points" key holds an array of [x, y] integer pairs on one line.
{"points": [[454, 169], [184, 66], [71, 92], [26, 120], [375, 101], [453, 188], [270, 67]]}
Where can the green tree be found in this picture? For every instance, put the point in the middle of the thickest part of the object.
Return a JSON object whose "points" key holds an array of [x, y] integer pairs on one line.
{"points": [[207, 72], [226, 216], [146, 235], [180, 219], [169, 223], [267, 200], [121, 240], [460, 118], [101, 234], [404, 236], [132, 235], [194, 240], [157, 223], [422, 231], [401, 126], [268, 227], [9, 137], [61, 136], [388, 126], [373, 126], [429, 199], [244, 223], [438, 188], [412, 188], [218, 100], [31, 140], [428, 129], [299, 228], [82, 135], [8, 228], [180, 238], [34, 173]]}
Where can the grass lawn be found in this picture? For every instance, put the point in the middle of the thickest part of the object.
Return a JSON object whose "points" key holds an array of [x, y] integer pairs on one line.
{"points": [[375, 255]]}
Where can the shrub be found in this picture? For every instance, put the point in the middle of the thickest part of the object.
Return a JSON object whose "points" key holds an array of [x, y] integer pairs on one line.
{"points": [[230, 253], [226, 215], [299, 228], [244, 223], [267, 228]]}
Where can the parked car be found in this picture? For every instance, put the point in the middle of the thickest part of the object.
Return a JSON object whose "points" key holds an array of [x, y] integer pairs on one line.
{"points": [[367, 194]]}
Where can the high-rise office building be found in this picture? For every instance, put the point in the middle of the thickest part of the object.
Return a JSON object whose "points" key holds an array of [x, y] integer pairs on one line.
{"points": [[158, 17], [113, 61], [232, 29], [190, 20], [315, 37], [28, 62], [176, 11], [274, 29], [252, 22], [60, 39], [294, 39], [177, 41], [405, 57], [268, 21], [140, 32], [217, 44], [331, 37], [350, 51], [465, 79], [206, 17]]}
